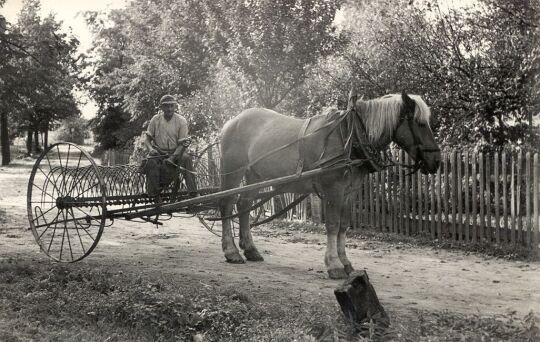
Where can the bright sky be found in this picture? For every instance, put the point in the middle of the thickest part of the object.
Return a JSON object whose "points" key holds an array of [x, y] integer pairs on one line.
{"points": [[70, 12]]}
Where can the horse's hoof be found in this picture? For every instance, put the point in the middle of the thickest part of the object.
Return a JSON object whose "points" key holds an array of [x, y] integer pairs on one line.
{"points": [[349, 269], [235, 259], [253, 255], [337, 273]]}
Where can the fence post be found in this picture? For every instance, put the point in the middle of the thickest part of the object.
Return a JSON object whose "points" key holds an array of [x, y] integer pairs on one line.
{"points": [[316, 212], [497, 199], [474, 160], [482, 198], [519, 222], [528, 188], [439, 204], [420, 225], [513, 203], [505, 196], [467, 183], [536, 194], [459, 183], [489, 229], [446, 199]]}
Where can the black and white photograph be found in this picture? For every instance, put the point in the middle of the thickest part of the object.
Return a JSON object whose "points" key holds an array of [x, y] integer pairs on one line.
{"points": [[269, 170]]}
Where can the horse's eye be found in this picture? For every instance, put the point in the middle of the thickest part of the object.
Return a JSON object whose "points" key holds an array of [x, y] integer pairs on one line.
{"points": [[422, 124]]}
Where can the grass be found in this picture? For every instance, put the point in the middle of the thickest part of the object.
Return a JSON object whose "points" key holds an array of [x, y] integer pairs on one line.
{"points": [[54, 302]]}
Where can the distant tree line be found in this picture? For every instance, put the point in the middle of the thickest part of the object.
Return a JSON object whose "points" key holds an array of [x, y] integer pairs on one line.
{"points": [[38, 73]]}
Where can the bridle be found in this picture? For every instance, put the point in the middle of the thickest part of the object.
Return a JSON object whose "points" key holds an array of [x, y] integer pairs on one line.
{"points": [[419, 146]]}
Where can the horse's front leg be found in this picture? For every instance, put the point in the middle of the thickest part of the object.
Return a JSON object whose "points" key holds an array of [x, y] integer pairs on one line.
{"points": [[334, 204], [344, 225], [246, 240]]}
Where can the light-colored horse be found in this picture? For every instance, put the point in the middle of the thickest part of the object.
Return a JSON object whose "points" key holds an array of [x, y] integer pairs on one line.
{"points": [[260, 144]]}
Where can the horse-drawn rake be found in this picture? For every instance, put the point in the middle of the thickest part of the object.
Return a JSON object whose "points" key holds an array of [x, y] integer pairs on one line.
{"points": [[71, 199]]}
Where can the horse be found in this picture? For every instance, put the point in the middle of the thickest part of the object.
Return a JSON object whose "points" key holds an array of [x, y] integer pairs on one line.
{"points": [[260, 144]]}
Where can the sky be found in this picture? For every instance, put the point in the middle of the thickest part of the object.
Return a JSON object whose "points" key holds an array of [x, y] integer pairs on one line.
{"points": [[69, 12]]}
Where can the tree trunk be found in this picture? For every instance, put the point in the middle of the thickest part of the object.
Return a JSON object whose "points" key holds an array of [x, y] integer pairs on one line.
{"points": [[4, 139], [35, 148], [29, 142], [46, 137]]}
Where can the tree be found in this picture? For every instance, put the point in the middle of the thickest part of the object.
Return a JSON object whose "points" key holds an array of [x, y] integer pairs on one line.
{"points": [[272, 44], [472, 65], [74, 130], [48, 73], [144, 51], [8, 76]]}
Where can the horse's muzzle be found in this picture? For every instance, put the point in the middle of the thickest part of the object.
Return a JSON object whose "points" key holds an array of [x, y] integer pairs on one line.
{"points": [[430, 160]]}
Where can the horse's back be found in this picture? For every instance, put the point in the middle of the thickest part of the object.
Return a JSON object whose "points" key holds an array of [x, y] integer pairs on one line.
{"points": [[256, 132]]}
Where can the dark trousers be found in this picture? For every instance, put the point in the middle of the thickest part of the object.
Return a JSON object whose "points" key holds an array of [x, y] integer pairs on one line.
{"points": [[186, 168], [160, 174]]}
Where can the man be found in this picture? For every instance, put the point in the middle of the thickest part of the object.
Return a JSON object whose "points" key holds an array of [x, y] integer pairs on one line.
{"points": [[167, 140]]}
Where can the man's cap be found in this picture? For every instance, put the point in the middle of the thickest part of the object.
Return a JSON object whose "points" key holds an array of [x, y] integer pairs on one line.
{"points": [[166, 99]]}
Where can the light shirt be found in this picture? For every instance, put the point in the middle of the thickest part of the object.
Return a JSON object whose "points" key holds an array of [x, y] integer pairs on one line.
{"points": [[166, 134]]}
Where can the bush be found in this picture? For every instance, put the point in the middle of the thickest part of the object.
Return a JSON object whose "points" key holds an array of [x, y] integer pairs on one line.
{"points": [[73, 130]]}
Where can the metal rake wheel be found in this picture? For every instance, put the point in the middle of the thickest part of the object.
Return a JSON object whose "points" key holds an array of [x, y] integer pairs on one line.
{"points": [[66, 202]]}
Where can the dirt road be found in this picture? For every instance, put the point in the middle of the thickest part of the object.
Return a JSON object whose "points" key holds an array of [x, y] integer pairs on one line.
{"points": [[405, 277]]}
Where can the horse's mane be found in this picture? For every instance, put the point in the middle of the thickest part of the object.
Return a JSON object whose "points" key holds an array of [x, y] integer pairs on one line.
{"points": [[381, 115]]}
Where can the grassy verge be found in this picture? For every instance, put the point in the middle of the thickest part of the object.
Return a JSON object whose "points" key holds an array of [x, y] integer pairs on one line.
{"points": [[510, 252], [52, 302]]}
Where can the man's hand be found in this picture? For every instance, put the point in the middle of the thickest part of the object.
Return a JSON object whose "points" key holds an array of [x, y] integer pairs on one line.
{"points": [[185, 142]]}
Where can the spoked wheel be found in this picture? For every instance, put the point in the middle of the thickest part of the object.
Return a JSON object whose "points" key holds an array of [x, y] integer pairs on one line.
{"points": [[208, 220], [66, 202], [207, 168]]}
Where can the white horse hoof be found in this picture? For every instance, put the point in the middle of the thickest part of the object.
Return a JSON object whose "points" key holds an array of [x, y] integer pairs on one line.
{"points": [[349, 269], [235, 259], [337, 273]]}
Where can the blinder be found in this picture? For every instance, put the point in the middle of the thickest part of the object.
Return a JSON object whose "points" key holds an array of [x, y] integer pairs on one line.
{"points": [[413, 127]]}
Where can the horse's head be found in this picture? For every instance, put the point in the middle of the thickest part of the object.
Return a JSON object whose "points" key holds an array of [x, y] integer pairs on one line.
{"points": [[414, 135]]}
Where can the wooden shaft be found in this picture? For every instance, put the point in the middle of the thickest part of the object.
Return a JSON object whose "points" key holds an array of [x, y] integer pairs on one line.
{"points": [[173, 207]]}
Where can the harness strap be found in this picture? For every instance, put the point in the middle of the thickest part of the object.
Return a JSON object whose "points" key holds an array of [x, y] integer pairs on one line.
{"points": [[301, 136], [282, 211]]}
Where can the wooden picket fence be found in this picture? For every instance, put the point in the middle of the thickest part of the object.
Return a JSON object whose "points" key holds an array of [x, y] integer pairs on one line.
{"points": [[474, 197]]}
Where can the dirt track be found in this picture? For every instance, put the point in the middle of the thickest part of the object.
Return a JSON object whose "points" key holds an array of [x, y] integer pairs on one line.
{"points": [[405, 277]]}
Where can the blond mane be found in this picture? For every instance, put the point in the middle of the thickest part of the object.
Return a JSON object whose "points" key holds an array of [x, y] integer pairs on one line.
{"points": [[381, 116]]}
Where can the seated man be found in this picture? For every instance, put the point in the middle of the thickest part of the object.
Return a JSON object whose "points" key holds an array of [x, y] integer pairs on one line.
{"points": [[167, 140]]}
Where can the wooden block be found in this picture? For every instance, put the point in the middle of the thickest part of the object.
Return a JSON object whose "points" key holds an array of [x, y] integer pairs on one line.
{"points": [[359, 302]]}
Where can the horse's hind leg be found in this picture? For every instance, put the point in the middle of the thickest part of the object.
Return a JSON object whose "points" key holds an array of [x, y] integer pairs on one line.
{"points": [[230, 250], [246, 239]]}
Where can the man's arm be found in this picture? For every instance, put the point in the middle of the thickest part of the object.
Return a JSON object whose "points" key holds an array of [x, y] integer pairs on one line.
{"points": [[150, 132]]}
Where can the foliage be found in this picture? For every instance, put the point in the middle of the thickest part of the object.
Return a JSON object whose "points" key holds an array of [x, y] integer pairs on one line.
{"points": [[48, 71], [73, 130], [38, 73], [473, 65], [142, 52], [477, 67], [271, 44]]}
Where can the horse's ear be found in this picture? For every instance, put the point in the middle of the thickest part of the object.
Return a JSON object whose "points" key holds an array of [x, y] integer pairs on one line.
{"points": [[407, 99], [353, 96]]}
